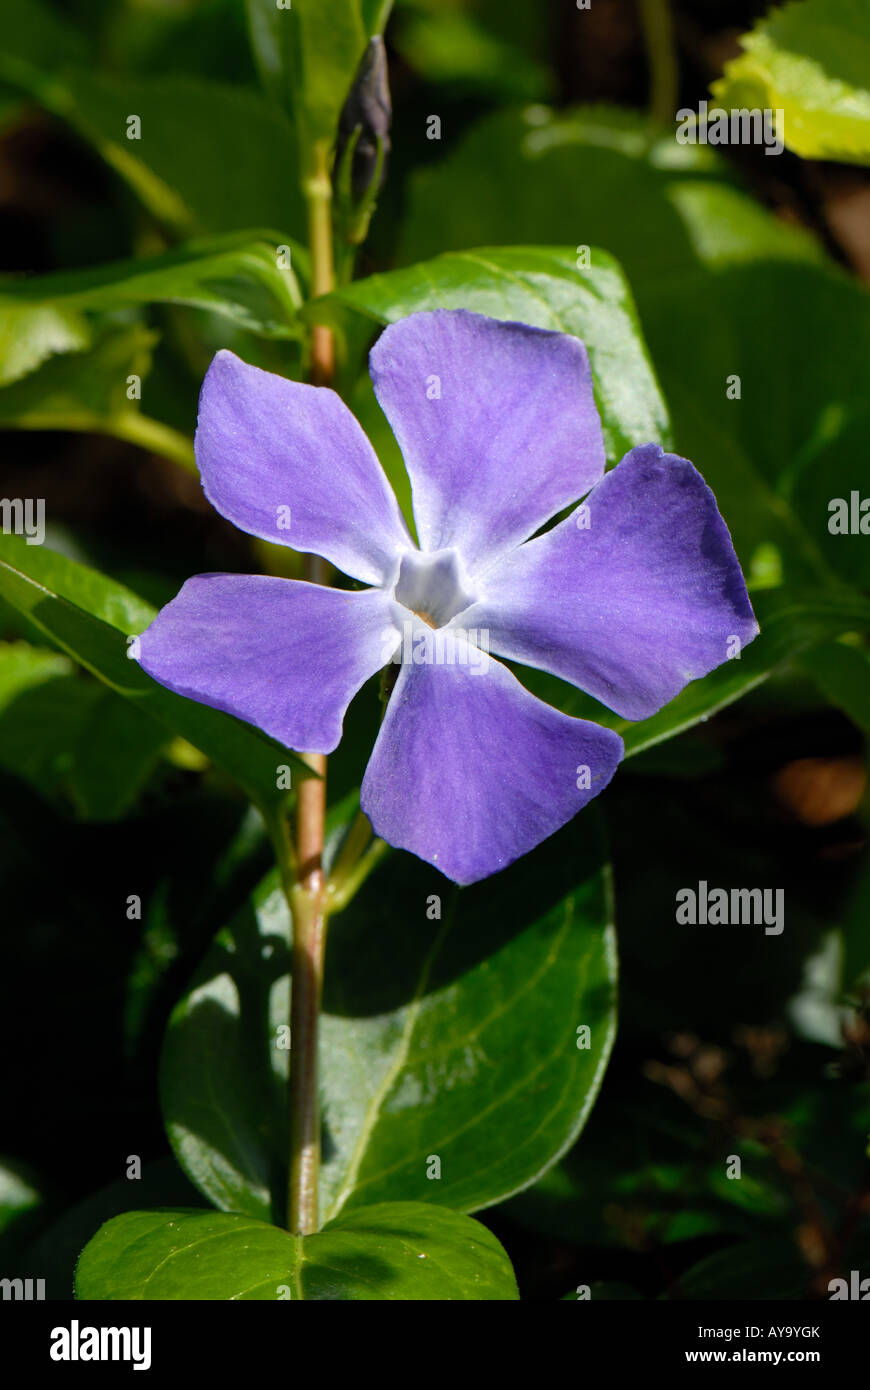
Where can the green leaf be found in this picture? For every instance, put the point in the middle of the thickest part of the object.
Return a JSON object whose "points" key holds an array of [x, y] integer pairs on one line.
{"points": [[842, 673], [23, 668], [87, 391], [811, 61], [403, 1251], [30, 333], [235, 275], [757, 1270], [462, 1046], [307, 55], [113, 756], [87, 387], [597, 176], [797, 338], [541, 286], [65, 734], [375, 14], [184, 121], [500, 52], [55, 1248], [34, 34], [89, 617], [642, 1175], [791, 622]]}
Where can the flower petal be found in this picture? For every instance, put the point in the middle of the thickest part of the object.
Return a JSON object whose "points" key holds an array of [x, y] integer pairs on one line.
{"points": [[496, 421], [286, 656], [470, 771], [273, 452], [649, 597]]}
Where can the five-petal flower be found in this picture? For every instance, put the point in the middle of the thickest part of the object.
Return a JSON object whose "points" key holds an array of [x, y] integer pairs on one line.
{"points": [[629, 597]]}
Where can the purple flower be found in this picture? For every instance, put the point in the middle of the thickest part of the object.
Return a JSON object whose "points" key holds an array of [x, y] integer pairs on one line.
{"points": [[630, 596]]}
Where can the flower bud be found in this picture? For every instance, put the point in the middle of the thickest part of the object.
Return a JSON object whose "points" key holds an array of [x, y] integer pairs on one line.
{"points": [[367, 114]]}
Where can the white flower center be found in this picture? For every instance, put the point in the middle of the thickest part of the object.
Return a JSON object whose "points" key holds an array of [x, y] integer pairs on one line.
{"points": [[433, 586]]}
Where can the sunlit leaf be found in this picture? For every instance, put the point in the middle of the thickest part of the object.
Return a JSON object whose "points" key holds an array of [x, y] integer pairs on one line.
{"points": [[402, 1251]]}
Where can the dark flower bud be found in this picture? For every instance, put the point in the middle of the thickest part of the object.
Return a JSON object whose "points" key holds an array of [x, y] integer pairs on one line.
{"points": [[366, 117]]}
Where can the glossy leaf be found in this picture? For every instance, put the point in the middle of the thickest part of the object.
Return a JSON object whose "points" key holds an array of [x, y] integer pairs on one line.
{"points": [[55, 1247], [89, 617], [541, 286], [397, 1251], [810, 60], [236, 275], [462, 1047]]}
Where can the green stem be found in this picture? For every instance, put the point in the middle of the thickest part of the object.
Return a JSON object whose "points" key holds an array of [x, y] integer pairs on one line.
{"points": [[282, 844], [318, 195], [341, 890], [658, 29], [307, 897], [309, 942], [356, 841]]}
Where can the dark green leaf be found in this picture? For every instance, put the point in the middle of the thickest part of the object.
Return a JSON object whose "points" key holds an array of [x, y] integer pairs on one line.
{"points": [[236, 275], [759, 1270], [791, 623], [496, 49], [35, 34], [462, 1047], [597, 176], [184, 121], [642, 1174], [402, 1251], [842, 673], [67, 734], [89, 616]]}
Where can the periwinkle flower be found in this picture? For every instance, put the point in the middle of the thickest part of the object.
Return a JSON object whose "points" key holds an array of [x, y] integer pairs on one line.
{"points": [[629, 597]]}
